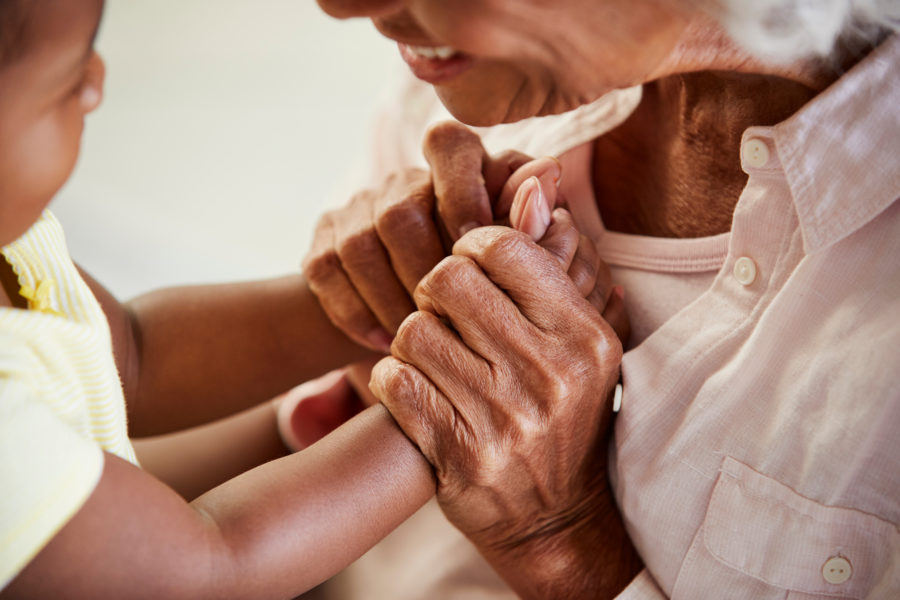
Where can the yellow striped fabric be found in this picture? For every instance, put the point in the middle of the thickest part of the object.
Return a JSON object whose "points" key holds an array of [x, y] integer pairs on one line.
{"points": [[61, 400]]}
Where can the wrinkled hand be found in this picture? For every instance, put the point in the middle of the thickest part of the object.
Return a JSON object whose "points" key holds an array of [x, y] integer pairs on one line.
{"points": [[503, 379], [368, 256]]}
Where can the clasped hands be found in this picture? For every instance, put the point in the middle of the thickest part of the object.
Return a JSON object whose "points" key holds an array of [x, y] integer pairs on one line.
{"points": [[503, 354]]}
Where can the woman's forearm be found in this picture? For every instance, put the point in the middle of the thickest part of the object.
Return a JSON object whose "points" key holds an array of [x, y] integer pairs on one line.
{"points": [[204, 352]]}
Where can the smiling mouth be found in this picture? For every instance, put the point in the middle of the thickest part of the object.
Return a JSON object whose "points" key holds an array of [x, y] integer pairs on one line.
{"points": [[441, 52], [434, 64]]}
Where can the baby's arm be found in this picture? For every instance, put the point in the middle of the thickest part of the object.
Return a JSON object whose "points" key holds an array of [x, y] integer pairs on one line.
{"points": [[272, 532], [193, 354]]}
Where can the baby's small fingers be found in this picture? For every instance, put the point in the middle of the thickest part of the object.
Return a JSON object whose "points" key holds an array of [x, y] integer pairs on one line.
{"points": [[547, 169], [561, 238], [498, 169], [615, 314], [586, 267]]}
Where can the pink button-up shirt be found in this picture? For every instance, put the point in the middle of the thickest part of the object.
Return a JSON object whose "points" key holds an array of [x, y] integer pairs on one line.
{"points": [[757, 452]]}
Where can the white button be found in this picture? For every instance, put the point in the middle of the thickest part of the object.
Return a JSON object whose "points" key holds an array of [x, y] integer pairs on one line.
{"points": [[617, 398], [756, 153], [836, 570], [745, 270]]}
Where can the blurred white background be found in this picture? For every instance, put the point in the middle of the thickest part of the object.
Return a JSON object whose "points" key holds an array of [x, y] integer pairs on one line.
{"points": [[227, 127]]}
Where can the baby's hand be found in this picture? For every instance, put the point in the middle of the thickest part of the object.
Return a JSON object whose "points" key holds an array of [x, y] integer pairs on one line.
{"points": [[530, 197]]}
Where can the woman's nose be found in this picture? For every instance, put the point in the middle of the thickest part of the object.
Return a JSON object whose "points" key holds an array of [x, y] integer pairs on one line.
{"points": [[345, 9]]}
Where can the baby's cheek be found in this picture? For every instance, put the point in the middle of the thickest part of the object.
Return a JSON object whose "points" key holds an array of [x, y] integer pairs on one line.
{"points": [[47, 153]]}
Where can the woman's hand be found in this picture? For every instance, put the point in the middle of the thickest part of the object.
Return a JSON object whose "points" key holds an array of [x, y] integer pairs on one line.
{"points": [[367, 257], [503, 379], [311, 410]]}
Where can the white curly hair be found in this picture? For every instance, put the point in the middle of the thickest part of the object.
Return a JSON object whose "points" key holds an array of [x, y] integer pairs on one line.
{"points": [[784, 30]]}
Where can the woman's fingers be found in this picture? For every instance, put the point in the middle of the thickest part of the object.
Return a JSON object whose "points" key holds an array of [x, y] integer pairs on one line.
{"points": [[404, 221], [367, 263], [458, 291], [449, 364], [338, 296], [527, 273], [417, 406], [456, 157], [368, 256]]}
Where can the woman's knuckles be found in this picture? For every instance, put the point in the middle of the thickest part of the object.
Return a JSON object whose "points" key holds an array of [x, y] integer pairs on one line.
{"points": [[454, 275], [319, 267], [412, 339], [359, 252], [496, 248], [404, 220]]}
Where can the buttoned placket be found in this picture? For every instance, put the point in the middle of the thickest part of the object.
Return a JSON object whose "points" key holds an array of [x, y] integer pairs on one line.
{"points": [[765, 222], [764, 247]]}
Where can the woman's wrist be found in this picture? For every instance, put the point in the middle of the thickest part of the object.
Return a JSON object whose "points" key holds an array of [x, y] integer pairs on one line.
{"points": [[582, 552]]}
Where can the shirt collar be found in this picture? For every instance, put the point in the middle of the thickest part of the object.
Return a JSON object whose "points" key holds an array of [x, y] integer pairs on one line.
{"points": [[840, 151]]}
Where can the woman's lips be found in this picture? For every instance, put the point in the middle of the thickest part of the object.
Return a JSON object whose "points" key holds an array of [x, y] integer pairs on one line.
{"points": [[434, 64]]}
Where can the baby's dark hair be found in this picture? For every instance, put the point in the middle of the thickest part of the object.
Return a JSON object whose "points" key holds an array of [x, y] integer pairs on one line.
{"points": [[14, 17]]}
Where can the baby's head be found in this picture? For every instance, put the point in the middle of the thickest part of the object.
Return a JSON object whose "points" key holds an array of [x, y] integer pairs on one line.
{"points": [[50, 78]]}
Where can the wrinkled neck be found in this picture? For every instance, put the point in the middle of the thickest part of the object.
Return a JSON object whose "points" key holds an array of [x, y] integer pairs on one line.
{"points": [[673, 168]]}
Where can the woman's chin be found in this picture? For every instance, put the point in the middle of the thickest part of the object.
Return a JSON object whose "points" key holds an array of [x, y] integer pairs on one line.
{"points": [[490, 111]]}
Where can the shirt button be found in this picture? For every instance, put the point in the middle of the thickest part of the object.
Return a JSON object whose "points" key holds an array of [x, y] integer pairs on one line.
{"points": [[836, 570], [745, 270], [756, 153]]}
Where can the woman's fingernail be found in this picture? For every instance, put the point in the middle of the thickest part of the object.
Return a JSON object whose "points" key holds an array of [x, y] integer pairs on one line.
{"points": [[468, 227], [380, 339]]}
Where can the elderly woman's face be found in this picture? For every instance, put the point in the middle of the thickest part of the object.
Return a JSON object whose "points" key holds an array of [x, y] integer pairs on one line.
{"points": [[495, 61]]}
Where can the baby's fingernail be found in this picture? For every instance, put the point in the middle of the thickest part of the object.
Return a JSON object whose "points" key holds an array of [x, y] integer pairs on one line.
{"points": [[619, 291], [468, 227], [558, 176], [530, 212], [537, 202], [380, 339]]}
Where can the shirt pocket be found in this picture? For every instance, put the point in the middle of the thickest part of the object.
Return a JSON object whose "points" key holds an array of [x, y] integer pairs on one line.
{"points": [[760, 539]]}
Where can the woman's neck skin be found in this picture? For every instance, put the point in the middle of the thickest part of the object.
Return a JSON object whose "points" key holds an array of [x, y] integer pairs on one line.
{"points": [[672, 169]]}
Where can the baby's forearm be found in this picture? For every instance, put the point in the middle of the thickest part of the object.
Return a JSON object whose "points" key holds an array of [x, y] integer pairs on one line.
{"points": [[272, 532], [204, 352], [310, 514], [318, 510]]}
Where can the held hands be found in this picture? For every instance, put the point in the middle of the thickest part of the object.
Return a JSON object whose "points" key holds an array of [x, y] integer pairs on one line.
{"points": [[503, 375], [502, 378], [367, 257]]}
